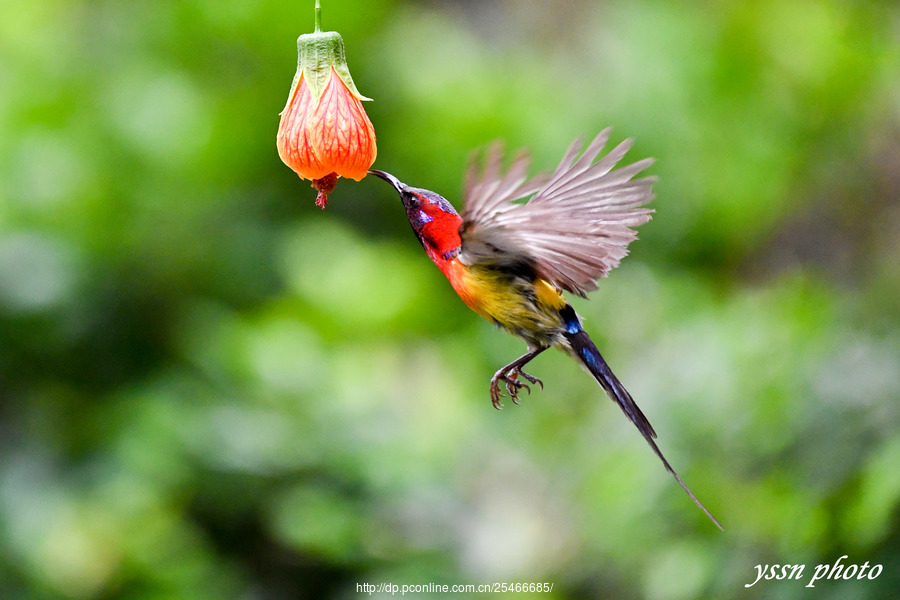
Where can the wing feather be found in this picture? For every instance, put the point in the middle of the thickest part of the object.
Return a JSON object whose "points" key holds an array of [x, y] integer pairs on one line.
{"points": [[487, 192], [574, 229]]}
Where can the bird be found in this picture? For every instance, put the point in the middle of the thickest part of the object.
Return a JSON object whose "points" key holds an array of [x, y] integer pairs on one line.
{"points": [[511, 260]]}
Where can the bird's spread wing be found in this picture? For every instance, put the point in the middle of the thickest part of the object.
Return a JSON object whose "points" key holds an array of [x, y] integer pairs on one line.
{"points": [[575, 228]]}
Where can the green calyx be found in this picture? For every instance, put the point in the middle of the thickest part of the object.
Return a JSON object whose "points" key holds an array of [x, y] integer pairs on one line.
{"points": [[317, 54]]}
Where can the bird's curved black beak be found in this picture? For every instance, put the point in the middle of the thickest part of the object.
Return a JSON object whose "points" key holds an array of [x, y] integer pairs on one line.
{"points": [[398, 185]]}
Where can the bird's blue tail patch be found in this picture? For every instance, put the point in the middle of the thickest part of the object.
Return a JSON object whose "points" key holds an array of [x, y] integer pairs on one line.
{"points": [[570, 319], [590, 357]]}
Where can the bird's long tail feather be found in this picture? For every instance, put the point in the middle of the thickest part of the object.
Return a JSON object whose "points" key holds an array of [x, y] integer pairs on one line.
{"points": [[583, 348]]}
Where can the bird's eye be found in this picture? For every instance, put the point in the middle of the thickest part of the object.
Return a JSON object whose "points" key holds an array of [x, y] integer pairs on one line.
{"points": [[412, 201]]}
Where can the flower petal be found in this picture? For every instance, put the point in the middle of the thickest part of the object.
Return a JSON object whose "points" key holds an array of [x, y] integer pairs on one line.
{"points": [[341, 133], [293, 139]]}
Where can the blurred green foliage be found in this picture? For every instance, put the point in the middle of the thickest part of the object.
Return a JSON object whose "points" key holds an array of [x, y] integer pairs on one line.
{"points": [[210, 389]]}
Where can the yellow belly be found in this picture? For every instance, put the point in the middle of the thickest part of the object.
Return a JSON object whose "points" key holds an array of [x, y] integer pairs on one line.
{"points": [[513, 303]]}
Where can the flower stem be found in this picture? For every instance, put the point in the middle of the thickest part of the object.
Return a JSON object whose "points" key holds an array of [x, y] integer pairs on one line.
{"points": [[318, 17]]}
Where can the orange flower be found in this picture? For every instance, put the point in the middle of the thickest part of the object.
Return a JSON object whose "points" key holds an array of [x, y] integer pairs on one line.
{"points": [[333, 135], [324, 131]]}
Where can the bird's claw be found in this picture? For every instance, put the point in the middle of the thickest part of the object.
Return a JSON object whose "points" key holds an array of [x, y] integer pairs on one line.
{"points": [[512, 385], [531, 379]]}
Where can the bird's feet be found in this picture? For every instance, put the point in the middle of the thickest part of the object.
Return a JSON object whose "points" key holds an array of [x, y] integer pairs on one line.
{"points": [[509, 375]]}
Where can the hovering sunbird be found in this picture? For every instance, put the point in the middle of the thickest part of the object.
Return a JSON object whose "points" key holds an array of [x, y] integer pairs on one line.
{"points": [[511, 261]]}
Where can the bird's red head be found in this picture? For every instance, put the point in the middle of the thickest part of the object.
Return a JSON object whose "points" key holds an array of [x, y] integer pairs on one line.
{"points": [[433, 219]]}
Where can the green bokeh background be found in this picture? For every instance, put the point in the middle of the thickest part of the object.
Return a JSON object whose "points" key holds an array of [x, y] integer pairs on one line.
{"points": [[211, 389]]}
